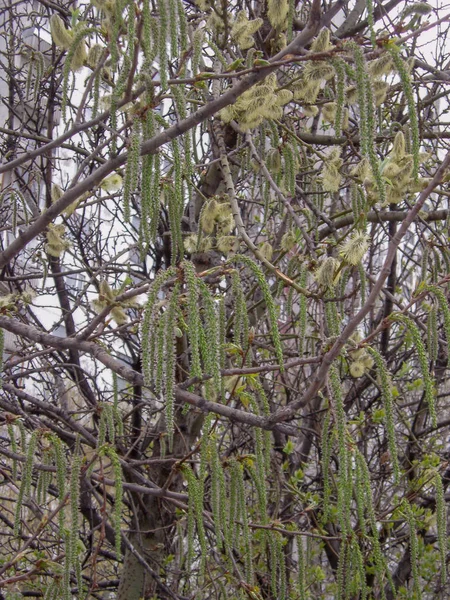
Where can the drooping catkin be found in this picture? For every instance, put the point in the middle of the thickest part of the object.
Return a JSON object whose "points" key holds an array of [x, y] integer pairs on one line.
{"points": [[405, 78], [218, 494], [132, 170], [270, 304], [367, 112], [340, 96], [195, 502], [162, 50], [178, 198], [388, 403], [13, 443], [74, 500], [423, 362], [381, 568], [301, 570], [25, 484], [212, 333], [61, 474], [441, 523], [432, 334], [327, 446], [173, 23], [242, 514], [118, 497], [413, 546], [344, 483], [444, 311], [171, 363], [147, 333], [160, 355], [193, 317]]}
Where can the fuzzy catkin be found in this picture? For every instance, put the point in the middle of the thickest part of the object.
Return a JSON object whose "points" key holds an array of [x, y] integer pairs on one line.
{"points": [[271, 308], [441, 523], [171, 363], [388, 404], [25, 485]]}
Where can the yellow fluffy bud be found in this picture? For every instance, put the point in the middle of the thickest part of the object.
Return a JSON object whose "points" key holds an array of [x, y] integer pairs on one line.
{"points": [[60, 35]]}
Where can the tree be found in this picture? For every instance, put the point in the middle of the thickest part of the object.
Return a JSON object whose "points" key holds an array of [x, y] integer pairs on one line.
{"points": [[225, 299]]}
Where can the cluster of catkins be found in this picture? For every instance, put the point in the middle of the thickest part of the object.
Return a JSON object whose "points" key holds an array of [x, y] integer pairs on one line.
{"points": [[216, 217]]}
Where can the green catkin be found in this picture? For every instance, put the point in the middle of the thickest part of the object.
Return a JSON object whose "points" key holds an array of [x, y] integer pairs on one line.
{"points": [[248, 560], [423, 362], [441, 523], [281, 566], [177, 239], [273, 556], [212, 358], [222, 331], [405, 78], [367, 124], [13, 442], [193, 317], [290, 21], [327, 445], [132, 170], [131, 28], [340, 96], [110, 424], [116, 412], [301, 570], [162, 50], [444, 311], [101, 433], [155, 210], [147, 323], [117, 94], [267, 436], [344, 485], [147, 31], [74, 489], [183, 26], [218, 494], [358, 562], [173, 22], [231, 530], [61, 474], [332, 316], [67, 567], [25, 485], [96, 94], [432, 334], [197, 44], [118, 499], [116, 25], [388, 403], [289, 169], [149, 204], [342, 569], [196, 497], [414, 548], [171, 363], [271, 308], [371, 22], [360, 496], [378, 558], [240, 312], [160, 358], [302, 313]]}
